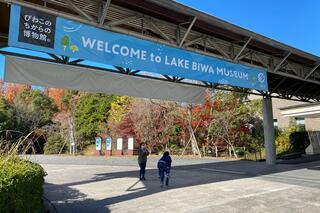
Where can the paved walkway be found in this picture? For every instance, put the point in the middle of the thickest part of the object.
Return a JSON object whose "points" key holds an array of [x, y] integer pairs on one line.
{"points": [[91, 184]]}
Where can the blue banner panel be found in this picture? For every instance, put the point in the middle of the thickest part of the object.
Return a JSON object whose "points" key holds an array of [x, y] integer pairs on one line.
{"points": [[108, 143], [98, 144], [38, 31]]}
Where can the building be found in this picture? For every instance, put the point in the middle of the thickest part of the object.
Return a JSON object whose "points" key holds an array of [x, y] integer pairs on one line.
{"points": [[287, 112]]}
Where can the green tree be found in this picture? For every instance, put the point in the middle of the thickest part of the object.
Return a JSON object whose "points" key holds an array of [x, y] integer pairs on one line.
{"points": [[37, 103], [32, 109], [68, 99], [91, 114], [55, 144], [5, 114]]}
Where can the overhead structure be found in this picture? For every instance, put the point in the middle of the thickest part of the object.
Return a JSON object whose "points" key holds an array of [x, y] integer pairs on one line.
{"points": [[292, 73], [156, 41]]}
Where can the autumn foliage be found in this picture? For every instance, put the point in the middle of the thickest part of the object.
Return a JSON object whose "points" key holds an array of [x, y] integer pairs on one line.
{"points": [[57, 95], [12, 90], [222, 120]]}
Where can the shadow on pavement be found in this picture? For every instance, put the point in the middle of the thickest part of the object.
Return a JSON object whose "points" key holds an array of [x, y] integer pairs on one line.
{"points": [[182, 176], [74, 200]]}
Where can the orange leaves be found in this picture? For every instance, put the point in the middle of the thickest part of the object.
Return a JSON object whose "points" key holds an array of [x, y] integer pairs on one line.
{"points": [[57, 96], [12, 90]]}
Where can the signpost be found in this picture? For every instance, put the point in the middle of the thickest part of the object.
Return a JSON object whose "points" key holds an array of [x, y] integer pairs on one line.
{"points": [[98, 146], [35, 30], [108, 146]]}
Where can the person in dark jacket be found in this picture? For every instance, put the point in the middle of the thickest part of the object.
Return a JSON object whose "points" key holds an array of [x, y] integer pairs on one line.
{"points": [[142, 160], [164, 166]]}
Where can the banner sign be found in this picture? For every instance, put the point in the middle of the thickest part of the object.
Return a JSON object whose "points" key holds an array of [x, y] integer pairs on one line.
{"points": [[98, 144], [130, 143], [42, 32], [108, 144], [119, 143]]}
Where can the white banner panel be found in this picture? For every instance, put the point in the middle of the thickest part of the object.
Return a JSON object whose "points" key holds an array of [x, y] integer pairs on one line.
{"points": [[130, 143], [27, 71], [119, 143]]}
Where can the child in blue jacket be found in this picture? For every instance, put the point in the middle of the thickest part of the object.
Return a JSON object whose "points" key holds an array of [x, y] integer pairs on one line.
{"points": [[164, 166]]}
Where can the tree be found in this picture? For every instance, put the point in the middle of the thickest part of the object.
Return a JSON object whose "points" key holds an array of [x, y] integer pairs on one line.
{"points": [[54, 144], [5, 115], [153, 121], [119, 109], [65, 118], [124, 128], [256, 138], [56, 95], [119, 120], [91, 114], [32, 109], [38, 103], [13, 90], [230, 119]]}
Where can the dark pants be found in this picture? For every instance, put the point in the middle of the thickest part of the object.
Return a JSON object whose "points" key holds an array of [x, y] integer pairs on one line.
{"points": [[142, 170], [164, 172]]}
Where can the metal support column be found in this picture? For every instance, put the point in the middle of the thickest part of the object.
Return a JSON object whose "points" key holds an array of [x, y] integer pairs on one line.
{"points": [[269, 133]]}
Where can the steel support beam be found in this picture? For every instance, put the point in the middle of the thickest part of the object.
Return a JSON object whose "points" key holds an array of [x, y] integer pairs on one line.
{"points": [[216, 46], [134, 72], [103, 11], [55, 57], [278, 85], [193, 41], [120, 69], [78, 10], [244, 55], [188, 31], [283, 60], [300, 88], [158, 30], [259, 59], [168, 77], [312, 71], [242, 49], [124, 21], [75, 61]]}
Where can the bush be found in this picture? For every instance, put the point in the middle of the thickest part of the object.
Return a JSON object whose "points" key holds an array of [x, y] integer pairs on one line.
{"points": [[292, 139], [300, 141], [240, 152], [54, 144], [283, 143], [20, 185]]}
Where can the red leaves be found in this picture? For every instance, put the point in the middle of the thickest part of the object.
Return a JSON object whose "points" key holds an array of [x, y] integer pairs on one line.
{"points": [[125, 127]]}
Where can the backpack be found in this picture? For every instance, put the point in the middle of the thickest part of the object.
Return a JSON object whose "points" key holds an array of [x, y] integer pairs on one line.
{"points": [[162, 164]]}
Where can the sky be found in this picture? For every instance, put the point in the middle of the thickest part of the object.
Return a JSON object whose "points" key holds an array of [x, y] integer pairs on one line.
{"points": [[293, 22]]}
